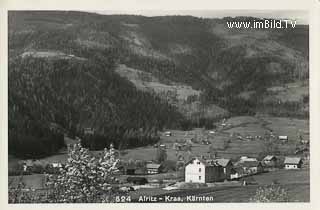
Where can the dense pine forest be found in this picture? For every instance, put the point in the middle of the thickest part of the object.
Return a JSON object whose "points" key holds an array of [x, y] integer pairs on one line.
{"points": [[62, 76]]}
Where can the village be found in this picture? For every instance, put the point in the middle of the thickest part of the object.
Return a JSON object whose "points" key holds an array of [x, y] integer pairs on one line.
{"points": [[200, 159]]}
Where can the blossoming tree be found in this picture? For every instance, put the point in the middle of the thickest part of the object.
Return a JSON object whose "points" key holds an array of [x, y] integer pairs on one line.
{"points": [[85, 178]]}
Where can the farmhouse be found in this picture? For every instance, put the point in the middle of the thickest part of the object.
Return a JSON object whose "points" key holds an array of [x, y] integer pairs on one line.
{"points": [[237, 172], [227, 167], [283, 138], [251, 167], [270, 161], [153, 168], [246, 159], [292, 163], [88, 131], [168, 133], [199, 170]]}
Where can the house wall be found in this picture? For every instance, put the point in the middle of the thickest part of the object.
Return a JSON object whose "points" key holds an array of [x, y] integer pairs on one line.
{"points": [[152, 171], [195, 172], [214, 174], [291, 166], [227, 171], [270, 163]]}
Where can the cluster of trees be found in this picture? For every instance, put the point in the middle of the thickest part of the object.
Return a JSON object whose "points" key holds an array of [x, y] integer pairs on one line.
{"points": [[84, 179], [122, 138], [88, 93], [30, 139], [76, 95]]}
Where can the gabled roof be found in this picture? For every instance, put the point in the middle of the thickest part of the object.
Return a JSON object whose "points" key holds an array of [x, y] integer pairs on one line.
{"points": [[292, 160], [250, 164], [238, 169], [269, 157], [247, 159], [153, 165], [222, 161]]}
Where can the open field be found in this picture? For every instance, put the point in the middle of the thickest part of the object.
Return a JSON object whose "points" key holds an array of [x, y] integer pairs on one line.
{"points": [[243, 125], [35, 181], [296, 182]]}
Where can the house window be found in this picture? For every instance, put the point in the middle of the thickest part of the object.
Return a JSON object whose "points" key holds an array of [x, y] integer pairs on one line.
{"points": [[199, 169], [198, 163], [199, 177]]}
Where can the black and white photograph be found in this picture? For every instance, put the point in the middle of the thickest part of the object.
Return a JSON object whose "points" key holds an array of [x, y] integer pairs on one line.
{"points": [[158, 106]]}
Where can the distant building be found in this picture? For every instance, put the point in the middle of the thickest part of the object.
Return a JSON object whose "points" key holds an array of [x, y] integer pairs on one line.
{"points": [[237, 172], [168, 133], [270, 161], [283, 138], [88, 131], [153, 168], [56, 165], [163, 146], [246, 159], [251, 167], [292, 163], [198, 170]]}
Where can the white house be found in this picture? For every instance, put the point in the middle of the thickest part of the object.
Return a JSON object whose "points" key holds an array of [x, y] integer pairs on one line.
{"points": [[283, 138], [198, 170], [168, 133], [292, 163]]}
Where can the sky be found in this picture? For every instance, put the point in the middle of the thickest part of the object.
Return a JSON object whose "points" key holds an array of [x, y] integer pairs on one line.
{"points": [[300, 16]]}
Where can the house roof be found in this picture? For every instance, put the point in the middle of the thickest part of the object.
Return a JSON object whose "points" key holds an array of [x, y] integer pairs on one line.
{"points": [[269, 157], [221, 161], [250, 164], [239, 170], [153, 165], [204, 162], [292, 160], [247, 159]]}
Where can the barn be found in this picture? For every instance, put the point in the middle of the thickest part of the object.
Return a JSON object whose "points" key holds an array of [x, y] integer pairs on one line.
{"points": [[153, 168], [251, 167], [227, 166], [270, 161], [292, 163], [198, 170]]}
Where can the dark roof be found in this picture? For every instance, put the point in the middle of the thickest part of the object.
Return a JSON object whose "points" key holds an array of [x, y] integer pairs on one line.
{"points": [[269, 157], [239, 170]]}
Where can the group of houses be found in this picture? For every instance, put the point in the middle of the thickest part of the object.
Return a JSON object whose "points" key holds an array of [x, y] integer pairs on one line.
{"points": [[201, 170]]}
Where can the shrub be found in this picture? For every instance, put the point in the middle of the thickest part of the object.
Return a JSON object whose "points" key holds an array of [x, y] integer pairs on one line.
{"points": [[270, 193]]}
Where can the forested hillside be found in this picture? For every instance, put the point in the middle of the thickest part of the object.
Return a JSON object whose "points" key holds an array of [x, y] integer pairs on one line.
{"points": [[63, 71]]}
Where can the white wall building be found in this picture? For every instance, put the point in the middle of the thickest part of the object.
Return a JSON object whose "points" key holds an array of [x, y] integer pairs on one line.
{"points": [[198, 170], [292, 163]]}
